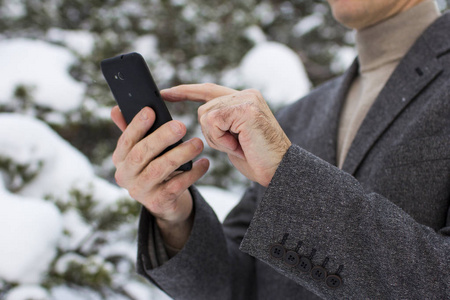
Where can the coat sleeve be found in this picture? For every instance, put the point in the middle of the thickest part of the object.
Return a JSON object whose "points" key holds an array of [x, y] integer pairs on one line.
{"points": [[210, 266], [317, 226]]}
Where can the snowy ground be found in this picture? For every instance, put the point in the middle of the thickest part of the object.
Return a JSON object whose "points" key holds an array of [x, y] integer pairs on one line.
{"points": [[32, 227]]}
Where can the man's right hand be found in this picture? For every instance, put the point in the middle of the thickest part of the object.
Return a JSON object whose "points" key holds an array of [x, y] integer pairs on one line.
{"points": [[151, 179]]}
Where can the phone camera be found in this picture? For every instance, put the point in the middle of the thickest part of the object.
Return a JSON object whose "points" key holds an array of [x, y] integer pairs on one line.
{"points": [[120, 76]]}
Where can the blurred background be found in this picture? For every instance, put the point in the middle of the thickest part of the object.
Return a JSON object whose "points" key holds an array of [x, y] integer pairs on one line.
{"points": [[66, 230]]}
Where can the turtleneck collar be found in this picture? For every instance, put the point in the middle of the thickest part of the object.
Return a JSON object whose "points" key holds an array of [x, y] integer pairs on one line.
{"points": [[390, 40]]}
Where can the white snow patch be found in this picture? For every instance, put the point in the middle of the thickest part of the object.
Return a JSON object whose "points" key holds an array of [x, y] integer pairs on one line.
{"points": [[25, 139], [77, 228], [147, 45], [29, 232], [255, 34], [343, 59], [307, 24], [63, 167], [64, 262], [80, 41], [277, 71], [67, 293], [28, 292], [42, 66], [265, 13], [221, 201], [13, 8]]}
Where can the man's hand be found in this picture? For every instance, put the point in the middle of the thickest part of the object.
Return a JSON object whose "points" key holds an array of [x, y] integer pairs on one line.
{"points": [[151, 179], [240, 124]]}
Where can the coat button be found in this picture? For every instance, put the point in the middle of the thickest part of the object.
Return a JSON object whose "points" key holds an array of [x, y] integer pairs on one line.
{"points": [[291, 258], [318, 273], [277, 251], [304, 265], [333, 281]]}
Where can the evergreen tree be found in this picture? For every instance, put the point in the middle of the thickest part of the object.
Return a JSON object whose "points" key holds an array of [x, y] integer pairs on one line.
{"points": [[191, 41]]}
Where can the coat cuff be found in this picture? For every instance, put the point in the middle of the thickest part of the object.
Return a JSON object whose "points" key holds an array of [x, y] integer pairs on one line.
{"points": [[195, 268], [298, 212]]}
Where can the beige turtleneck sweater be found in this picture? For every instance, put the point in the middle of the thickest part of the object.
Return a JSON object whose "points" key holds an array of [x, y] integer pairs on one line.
{"points": [[380, 48]]}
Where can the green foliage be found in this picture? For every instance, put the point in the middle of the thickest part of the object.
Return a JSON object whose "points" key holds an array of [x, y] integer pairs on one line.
{"points": [[85, 274], [17, 175], [86, 265], [5, 287]]}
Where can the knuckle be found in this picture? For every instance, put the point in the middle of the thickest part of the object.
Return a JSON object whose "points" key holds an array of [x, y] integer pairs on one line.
{"points": [[249, 108], [176, 186], [137, 155], [153, 173], [172, 164], [211, 117], [202, 119], [134, 192], [201, 111], [118, 178], [124, 141], [114, 158], [253, 95], [254, 109], [254, 92], [209, 85], [168, 193]]}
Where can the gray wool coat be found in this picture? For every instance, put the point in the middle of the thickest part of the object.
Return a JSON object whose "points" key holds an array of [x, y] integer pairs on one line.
{"points": [[378, 229]]}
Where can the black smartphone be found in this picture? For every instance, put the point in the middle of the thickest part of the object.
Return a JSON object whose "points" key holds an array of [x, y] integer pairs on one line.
{"points": [[133, 88]]}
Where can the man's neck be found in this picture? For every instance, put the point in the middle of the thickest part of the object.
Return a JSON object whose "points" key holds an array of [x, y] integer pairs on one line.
{"points": [[390, 39]]}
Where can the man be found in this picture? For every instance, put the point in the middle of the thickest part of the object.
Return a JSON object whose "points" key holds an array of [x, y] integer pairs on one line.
{"points": [[376, 227]]}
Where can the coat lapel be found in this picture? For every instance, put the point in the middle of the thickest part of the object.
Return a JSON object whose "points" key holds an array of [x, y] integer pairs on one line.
{"points": [[327, 130], [416, 70]]}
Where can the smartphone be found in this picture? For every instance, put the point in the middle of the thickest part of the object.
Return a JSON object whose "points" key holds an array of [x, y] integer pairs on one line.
{"points": [[133, 88]]}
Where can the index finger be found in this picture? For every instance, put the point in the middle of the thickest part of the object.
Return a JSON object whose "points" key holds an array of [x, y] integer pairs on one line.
{"points": [[203, 92], [118, 119]]}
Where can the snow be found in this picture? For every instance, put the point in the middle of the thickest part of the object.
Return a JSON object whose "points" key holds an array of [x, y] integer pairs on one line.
{"points": [[220, 200], [343, 59], [66, 293], [62, 165], [29, 232], [79, 41], [265, 13], [275, 70], [307, 24], [28, 292], [42, 66], [147, 46], [34, 223], [255, 34], [14, 8], [78, 230], [63, 263]]}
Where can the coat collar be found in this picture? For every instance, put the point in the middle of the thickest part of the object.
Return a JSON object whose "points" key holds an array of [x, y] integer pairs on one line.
{"points": [[416, 70]]}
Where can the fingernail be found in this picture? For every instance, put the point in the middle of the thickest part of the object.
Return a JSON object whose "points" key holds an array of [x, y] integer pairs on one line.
{"points": [[197, 144], [176, 128], [144, 115]]}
